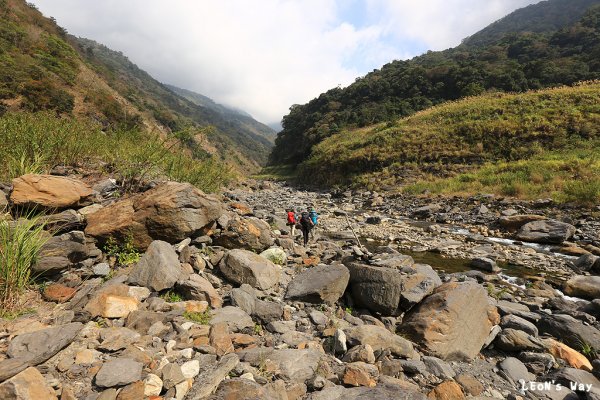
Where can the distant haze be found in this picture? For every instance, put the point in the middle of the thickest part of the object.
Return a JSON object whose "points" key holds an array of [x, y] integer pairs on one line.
{"points": [[263, 56]]}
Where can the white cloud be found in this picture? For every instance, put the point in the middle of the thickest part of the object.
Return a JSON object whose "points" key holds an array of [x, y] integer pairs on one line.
{"points": [[263, 56]]}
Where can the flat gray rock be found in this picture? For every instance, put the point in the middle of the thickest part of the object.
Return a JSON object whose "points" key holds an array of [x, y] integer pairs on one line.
{"points": [[159, 267], [119, 372]]}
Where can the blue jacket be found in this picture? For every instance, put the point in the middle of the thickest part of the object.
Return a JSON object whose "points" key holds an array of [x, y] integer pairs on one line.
{"points": [[314, 217]]}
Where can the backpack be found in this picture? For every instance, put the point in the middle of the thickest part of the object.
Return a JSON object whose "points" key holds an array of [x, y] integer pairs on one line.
{"points": [[306, 221], [314, 217], [291, 217]]}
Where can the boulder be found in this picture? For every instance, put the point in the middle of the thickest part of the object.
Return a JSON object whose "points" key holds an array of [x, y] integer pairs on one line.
{"points": [[323, 283], [516, 340], [377, 289], [586, 287], [515, 222], [380, 339], [159, 267], [246, 233], [38, 346], [242, 266], [196, 287], [586, 262], [445, 391], [546, 231], [452, 323], [571, 356], [49, 192], [119, 372], [212, 374], [514, 370], [485, 264], [27, 385], [62, 252], [171, 211], [387, 391], [515, 322], [569, 330], [235, 318]]}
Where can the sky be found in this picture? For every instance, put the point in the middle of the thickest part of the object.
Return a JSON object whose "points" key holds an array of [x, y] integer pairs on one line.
{"points": [[263, 56]]}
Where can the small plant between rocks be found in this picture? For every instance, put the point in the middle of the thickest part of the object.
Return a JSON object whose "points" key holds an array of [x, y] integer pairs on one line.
{"points": [[202, 318]]}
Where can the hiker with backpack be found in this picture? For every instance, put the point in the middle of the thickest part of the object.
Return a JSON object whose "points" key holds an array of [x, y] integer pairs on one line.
{"points": [[291, 221], [314, 217], [306, 224]]}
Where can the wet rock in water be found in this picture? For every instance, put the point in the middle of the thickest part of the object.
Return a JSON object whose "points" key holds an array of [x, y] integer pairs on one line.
{"points": [[119, 372], [586, 287], [570, 330], [453, 322], [246, 233], [159, 267], [50, 192], [27, 385], [546, 231], [380, 339], [323, 283], [242, 266], [485, 264], [171, 211]]}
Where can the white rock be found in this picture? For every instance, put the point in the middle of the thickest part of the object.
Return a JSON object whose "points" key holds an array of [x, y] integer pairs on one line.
{"points": [[182, 388], [152, 385], [191, 369], [187, 325], [187, 353], [139, 292], [249, 376], [170, 346]]}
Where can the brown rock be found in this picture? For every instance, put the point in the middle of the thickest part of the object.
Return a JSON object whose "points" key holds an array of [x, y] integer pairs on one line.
{"points": [[247, 233], [119, 306], [571, 356], [170, 211], [27, 385], [96, 306], [514, 222], [198, 288], [49, 191], [469, 384], [447, 390], [134, 391], [220, 338], [59, 293], [241, 339], [360, 374]]}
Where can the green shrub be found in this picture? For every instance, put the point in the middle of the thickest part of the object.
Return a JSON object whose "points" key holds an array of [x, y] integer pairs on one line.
{"points": [[20, 245], [202, 318]]}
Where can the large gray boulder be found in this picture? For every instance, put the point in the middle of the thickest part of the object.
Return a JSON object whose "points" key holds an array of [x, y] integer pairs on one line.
{"points": [[569, 330], [119, 372], [247, 233], [61, 252], [383, 391], [546, 231], [323, 283], [242, 266], [380, 339], [171, 211], [38, 346], [159, 267], [586, 287], [452, 323]]}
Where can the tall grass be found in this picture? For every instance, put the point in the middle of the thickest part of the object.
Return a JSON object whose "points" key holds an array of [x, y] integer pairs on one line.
{"points": [[20, 244], [37, 142]]}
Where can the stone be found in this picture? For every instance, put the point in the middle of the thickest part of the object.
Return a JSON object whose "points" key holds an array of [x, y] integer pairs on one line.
{"points": [[58, 293], [388, 391], [119, 306], [196, 287], [514, 370], [515, 222], [242, 266], [363, 352], [152, 385], [447, 390], [469, 384], [586, 262], [267, 311], [170, 211], [118, 372], [586, 287], [438, 367], [298, 365], [323, 283], [117, 338], [37, 347], [246, 233], [49, 192], [190, 369], [571, 356], [380, 339], [244, 298], [452, 323], [158, 269], [27, 385], [570, 330], [485, 264], [546, 231], [62, 252], [172, 375], [566, 376], [211, 375], [276, 255], [360, 374], [133, 391], [87, 356], [516, 340], [516, 322], [377, 289], [220, 339], [96, 305], [420, 282], [235, 318], [241, 388], [318, 318]]}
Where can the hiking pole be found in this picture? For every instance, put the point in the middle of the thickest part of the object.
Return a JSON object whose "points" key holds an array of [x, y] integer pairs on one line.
{"points": [[354, 233]]}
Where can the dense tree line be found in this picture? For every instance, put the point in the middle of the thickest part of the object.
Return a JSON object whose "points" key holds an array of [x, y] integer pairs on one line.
{"points": [[517, 62]]}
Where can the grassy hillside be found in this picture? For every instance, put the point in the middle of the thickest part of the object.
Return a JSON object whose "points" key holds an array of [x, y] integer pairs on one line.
{"points": [[44, 68], [515, 62], [461, 136]]}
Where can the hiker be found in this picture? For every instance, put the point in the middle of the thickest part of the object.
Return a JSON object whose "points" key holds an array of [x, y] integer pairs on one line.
{"points": [[307, 225], [291, 221], [314, 217]]}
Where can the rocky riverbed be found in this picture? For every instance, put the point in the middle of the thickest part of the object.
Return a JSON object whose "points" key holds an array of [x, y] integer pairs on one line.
{"points": [[438, 298]]}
